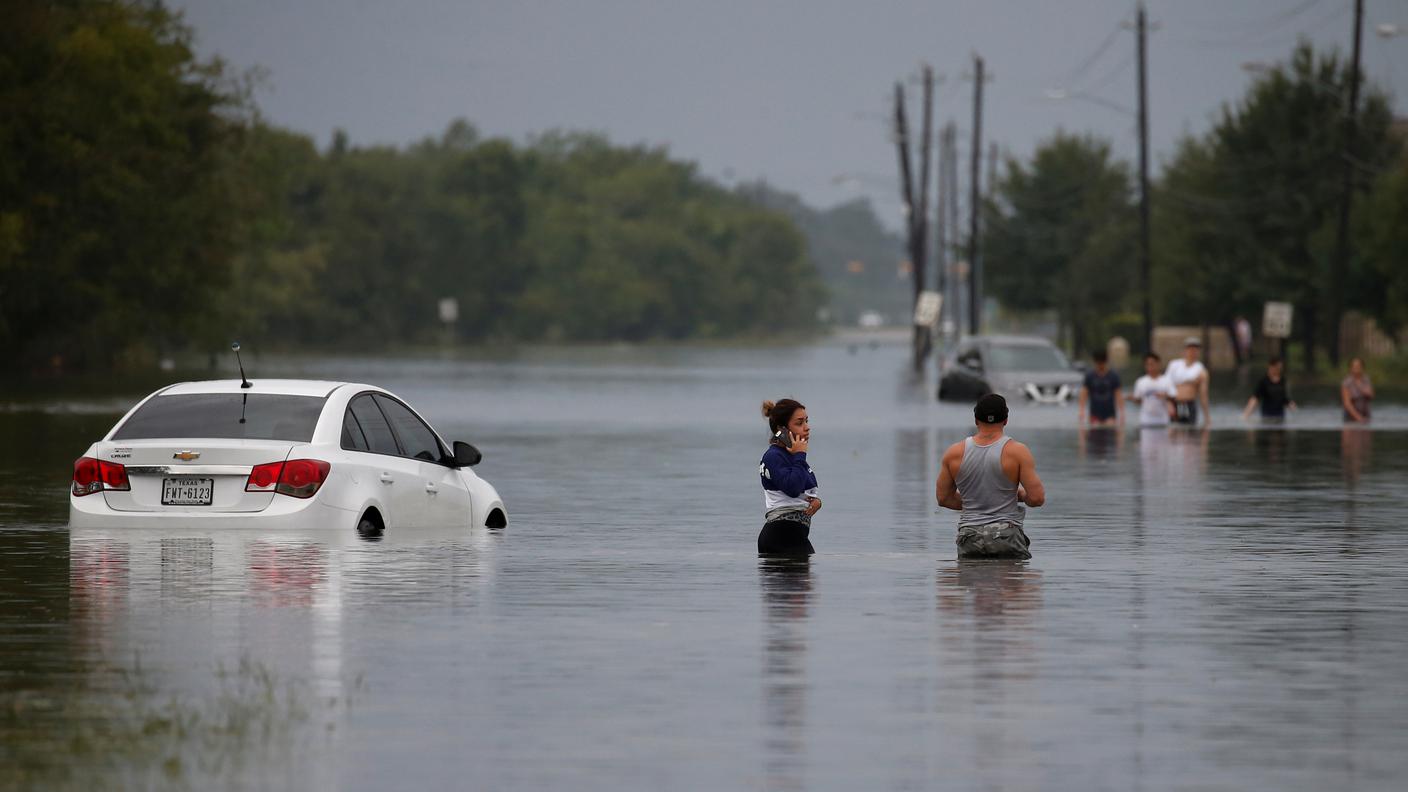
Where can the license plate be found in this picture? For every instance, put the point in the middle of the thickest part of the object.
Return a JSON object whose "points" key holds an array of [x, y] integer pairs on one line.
{"points": [[187, 491]]}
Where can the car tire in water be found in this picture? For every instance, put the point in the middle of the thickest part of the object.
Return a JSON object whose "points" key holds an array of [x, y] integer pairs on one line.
{"points": [[368, 528]]}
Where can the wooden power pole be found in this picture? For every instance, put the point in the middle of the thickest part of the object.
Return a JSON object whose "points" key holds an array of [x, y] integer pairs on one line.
{"points": [[1145, 252], [975, 269]]}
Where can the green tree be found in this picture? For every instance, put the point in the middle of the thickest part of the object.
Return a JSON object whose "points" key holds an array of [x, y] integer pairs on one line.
{"points": [[1380, 283], [113, 229], [1243, 211], [1059, 235]]}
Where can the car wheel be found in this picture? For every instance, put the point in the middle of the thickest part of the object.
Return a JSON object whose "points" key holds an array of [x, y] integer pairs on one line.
{"points": [[369, 527]]}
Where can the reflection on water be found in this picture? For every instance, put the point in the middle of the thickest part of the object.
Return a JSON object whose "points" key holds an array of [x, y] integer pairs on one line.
{"points": [[787, 590], [1356, 451], [1100, 442]]}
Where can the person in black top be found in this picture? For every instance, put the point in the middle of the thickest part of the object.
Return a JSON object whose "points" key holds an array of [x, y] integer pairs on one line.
{"points": [[1272, 394], [1101, 393]]}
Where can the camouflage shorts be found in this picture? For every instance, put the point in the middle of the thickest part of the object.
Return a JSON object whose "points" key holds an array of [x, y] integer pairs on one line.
{"points": [[997, 540]]}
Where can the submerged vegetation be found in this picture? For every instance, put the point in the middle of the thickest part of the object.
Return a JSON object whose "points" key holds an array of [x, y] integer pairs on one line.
{"points": [[252, 725]]}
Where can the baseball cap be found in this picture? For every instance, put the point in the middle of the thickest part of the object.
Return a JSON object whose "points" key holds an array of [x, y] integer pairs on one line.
{"points": [[1192, 341], [991, 409]]}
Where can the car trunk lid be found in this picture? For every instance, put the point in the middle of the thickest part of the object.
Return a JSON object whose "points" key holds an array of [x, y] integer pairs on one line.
{"points": [[192, 475]]}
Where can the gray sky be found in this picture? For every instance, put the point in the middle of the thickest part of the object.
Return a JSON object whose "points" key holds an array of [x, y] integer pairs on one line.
{"points": [[794, 92]]}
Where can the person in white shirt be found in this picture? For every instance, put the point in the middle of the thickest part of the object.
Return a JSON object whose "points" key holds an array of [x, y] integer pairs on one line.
{"points": [[1153, 393], [1190, 382]]}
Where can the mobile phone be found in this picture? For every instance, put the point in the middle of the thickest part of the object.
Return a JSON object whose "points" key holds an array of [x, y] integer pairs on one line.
{"points": [[783, 438]]}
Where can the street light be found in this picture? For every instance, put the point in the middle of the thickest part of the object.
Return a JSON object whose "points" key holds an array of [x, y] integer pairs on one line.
{"points": [[1391, 29]]}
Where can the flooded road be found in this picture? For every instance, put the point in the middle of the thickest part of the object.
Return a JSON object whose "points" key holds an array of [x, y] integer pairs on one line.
{"points": [[1204, 610]]}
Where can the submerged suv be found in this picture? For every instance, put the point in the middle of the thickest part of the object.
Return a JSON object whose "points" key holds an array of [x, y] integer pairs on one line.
{"points": [[1025, 368]]}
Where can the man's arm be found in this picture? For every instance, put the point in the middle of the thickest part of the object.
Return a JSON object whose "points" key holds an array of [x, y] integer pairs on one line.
{"points": [[946, 489], [1084, 395], [1030, 488], [1251, 405]]}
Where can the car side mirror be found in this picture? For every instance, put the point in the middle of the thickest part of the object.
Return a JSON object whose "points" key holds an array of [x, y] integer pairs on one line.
{"points": [[466, 455]]}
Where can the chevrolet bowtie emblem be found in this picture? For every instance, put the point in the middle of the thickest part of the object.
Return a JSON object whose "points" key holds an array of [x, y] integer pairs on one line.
{"points": [[186, 456]]}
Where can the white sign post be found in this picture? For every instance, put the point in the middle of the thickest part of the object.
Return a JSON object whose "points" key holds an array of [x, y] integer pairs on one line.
{"points": [[1276, 320], [927, 308], [449, 310]]}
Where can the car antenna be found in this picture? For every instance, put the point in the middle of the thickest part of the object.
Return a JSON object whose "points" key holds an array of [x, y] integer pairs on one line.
{"points": [[244, 381]]}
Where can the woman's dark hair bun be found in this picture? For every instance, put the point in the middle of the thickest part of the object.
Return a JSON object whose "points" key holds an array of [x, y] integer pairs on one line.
{"points": [[779, 412]]}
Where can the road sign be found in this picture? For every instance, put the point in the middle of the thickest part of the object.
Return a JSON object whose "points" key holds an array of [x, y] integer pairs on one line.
{"points": [[1276, 320], [449, 310], [926, 309]]}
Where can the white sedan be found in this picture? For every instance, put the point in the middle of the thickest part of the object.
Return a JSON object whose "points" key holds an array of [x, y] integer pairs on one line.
{"points": [[279, 454]]}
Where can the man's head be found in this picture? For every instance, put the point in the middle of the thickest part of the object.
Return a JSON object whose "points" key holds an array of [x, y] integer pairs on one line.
{"points": [[1274, 367], [1192, 348], [1101, 358], [1151, 364], [991, 410]]}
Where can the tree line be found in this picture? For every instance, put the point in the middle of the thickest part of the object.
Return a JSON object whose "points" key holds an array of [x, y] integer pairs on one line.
{"points": [[146, 209], [1242, 214]]}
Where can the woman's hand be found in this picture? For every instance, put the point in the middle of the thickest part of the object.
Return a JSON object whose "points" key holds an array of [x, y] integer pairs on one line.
{"points": [[814, 506], [799, 444]]}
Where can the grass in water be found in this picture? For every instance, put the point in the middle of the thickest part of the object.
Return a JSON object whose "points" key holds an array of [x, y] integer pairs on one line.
{"points": [[118, 730]]}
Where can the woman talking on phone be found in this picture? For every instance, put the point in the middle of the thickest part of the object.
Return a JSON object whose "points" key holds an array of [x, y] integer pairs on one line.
{"points": [[789, 486]]}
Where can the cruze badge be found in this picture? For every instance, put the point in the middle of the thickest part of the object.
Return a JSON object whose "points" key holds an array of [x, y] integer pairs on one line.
{"points": [[186, 456]]}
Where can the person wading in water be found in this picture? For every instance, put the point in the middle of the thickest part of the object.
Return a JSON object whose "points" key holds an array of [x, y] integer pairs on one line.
{"points": [[789, 485], [988, 477]]}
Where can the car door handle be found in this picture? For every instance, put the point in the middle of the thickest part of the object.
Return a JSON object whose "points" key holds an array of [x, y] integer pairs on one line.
{"points": [[430, 487], [387, 478]]}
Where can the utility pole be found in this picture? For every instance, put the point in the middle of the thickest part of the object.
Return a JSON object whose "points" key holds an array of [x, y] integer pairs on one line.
{"points": [[941, 219], [1346, 191], [920, 218], [907, 195], [1145, 253], [955, 283], [975, 270]]}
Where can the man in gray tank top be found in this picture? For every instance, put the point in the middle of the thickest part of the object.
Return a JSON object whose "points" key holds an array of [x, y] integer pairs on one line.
{"points": [[988, 478]]}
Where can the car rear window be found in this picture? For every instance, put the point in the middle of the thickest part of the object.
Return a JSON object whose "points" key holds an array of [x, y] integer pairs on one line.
{"points": [[234, 416]]}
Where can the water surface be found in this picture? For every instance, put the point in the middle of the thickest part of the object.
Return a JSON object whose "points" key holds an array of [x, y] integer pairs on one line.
{"points": [[1204, 610]]}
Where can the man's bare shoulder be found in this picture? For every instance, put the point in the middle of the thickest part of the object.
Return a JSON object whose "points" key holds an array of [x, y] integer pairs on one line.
{"points": [[1017, 449], [954, 452]]}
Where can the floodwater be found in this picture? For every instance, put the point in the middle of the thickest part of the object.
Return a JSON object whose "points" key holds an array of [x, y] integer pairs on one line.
{"points": [[1204, 610]]}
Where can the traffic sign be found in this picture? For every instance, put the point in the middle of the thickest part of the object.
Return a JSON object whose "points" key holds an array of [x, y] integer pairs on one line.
{"points": [[1276, 320], [926, 308]]}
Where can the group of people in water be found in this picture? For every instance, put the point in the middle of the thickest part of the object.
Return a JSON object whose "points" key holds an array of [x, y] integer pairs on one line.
{"points": [[1178, 393], [991, 479]]}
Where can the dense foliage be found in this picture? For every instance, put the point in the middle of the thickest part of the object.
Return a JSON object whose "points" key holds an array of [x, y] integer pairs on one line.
{"points": [[144, 208], [113, 222], [1247, 213], [1060, 235], [1243, 214]]}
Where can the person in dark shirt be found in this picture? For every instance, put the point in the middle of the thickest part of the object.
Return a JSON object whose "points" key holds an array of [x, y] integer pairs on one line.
{"points": [[1100, 398], [1272, 393]]}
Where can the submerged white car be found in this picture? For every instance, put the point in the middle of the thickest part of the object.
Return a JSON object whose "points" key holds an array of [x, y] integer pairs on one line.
{"points": [[299, 454]]}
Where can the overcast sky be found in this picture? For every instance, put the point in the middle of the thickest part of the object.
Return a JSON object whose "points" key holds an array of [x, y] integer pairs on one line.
{"points": [[797, 93]]}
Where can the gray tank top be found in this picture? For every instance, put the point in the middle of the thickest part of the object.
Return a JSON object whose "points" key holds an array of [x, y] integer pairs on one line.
{"points": [[988, 495]]}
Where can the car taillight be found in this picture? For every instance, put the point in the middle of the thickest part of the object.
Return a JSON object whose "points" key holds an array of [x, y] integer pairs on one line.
{"points": [[262, 478], [302, 477], [297, 478], [95, 475]]}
